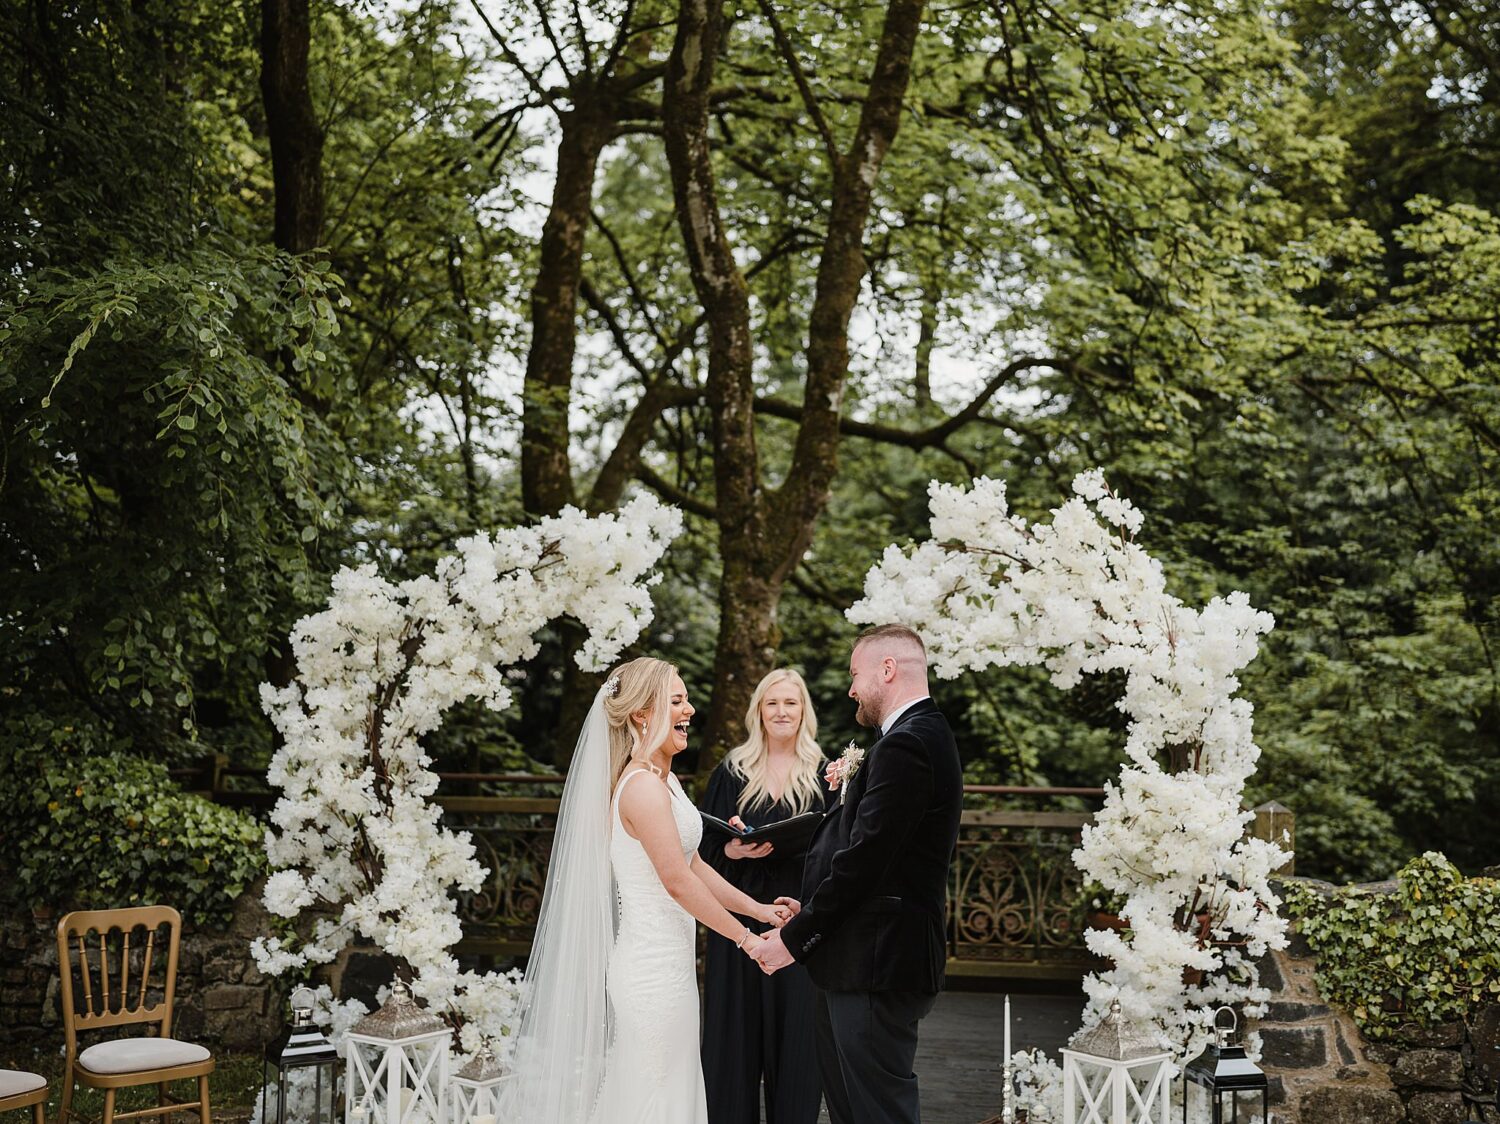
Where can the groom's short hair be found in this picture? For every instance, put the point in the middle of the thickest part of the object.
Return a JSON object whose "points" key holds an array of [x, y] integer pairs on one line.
{"points": [[896, 635]]}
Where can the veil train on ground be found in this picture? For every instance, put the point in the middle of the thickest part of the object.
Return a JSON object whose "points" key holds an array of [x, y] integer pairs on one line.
{"points": [[566, 1024]]}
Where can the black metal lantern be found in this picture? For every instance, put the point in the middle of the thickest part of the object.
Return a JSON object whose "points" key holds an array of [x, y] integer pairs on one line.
{"points": [[301, 1070], [1226, 1074]]}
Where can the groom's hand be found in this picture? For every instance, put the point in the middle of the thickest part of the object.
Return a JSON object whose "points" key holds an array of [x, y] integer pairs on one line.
{"points": [[771, 954], [793, 906]]}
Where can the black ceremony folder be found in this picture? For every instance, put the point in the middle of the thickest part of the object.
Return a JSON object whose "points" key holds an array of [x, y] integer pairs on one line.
{"points": [[789, 835]]}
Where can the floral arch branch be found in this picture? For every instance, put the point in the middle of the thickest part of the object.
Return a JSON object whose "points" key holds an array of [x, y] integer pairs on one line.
{"points": [[1079, 596], [355, 841]]}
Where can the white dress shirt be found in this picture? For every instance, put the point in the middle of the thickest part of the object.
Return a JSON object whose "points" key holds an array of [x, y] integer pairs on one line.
{"points": [[885, 727]]}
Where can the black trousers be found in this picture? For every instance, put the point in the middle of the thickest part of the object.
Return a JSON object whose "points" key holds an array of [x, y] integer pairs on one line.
{"points": [[757, 1026], [867, 1044]]}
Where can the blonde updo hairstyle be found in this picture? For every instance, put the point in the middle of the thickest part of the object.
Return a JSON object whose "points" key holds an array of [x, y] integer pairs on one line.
{"points": [[645, 684]]}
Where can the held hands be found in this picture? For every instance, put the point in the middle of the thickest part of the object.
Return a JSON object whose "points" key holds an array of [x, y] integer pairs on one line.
{"points": [[771, 954], [777, 915], [738, 849]]}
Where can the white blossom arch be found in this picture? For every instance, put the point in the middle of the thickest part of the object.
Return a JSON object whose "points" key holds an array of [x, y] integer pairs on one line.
{"points": [[1079, 596], [355, 839]]}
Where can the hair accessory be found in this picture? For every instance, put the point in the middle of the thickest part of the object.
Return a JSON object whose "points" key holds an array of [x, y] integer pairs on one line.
{"points": [[612, 686]]}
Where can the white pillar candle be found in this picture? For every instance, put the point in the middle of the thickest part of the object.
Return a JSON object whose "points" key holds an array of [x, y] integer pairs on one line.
{"points": [[1005, 1066], [1007, 1030]]}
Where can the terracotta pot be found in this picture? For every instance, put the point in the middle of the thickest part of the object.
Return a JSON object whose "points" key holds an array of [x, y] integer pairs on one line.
{"points": [[1102, 919]]}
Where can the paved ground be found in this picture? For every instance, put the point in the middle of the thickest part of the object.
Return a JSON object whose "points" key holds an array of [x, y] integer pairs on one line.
{"points": [[958, 1061]]}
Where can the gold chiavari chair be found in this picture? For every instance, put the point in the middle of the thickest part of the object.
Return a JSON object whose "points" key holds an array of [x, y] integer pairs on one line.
{"points": [[85, 945], [19, 1089]]}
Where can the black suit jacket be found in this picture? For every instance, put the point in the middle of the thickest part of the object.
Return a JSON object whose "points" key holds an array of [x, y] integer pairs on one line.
{"points": [[873, 885]]}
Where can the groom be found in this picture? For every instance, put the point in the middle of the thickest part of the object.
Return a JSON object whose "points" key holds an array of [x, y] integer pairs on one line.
{"points": [[870, 926]]}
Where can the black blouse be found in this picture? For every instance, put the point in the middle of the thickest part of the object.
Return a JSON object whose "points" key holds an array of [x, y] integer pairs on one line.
{"points": [[766, 879]]}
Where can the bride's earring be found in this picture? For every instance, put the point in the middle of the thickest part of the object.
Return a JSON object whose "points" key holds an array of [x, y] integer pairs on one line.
{"points": [[646, 760]]}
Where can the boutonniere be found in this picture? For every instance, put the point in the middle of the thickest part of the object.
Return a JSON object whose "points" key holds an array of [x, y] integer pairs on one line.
{"points": [[843, 769]]}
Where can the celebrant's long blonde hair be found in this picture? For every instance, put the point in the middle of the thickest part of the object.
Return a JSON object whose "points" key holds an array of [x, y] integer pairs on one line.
{"points": [[750, 760]]}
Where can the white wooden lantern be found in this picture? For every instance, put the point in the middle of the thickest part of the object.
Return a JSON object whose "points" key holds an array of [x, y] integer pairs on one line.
{"points": [[397, 1066], [476, 1089], [1116, 1073]]}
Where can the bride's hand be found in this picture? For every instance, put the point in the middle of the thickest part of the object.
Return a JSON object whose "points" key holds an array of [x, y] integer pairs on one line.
{"points": [[777, 915], [752, 942]]}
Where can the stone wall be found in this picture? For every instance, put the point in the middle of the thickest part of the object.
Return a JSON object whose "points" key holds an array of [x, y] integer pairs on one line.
{"points": [[1323, 1071], [221, 1001]]}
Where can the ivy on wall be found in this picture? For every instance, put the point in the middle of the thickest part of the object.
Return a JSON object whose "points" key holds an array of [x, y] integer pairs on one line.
{"points": [[90, 826], [1428, 953]]}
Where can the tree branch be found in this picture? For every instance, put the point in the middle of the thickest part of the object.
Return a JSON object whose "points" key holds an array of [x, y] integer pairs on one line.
{"points": [[802, 581], [673, 494], [841, 271], [622, 341], [629, 278], [547, 96], [569, 78], [622, 36], [784, 45], [583, 39]]}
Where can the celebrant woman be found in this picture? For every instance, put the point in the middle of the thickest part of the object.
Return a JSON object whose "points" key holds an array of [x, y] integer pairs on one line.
{"points": [[758, 1027]]}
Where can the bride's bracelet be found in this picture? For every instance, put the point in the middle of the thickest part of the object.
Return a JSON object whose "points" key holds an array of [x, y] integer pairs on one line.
{"points": [[740, 944]]}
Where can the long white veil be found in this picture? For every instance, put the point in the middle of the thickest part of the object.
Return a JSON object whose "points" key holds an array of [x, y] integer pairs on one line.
{"points": [[566, 1022]]}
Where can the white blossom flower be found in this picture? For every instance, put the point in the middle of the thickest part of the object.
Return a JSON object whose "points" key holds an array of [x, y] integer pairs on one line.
{"points": [[1079, 597], [354, 829]]}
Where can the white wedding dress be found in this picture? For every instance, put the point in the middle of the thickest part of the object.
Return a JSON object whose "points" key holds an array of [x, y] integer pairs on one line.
{"points": [[606, 1031], [652, 1072]]}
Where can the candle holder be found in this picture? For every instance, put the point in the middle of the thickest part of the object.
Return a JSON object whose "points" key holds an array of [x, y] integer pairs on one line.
{"points": [[301, 1070], [475, 1096], [398, 1065], [1116, 1073]]}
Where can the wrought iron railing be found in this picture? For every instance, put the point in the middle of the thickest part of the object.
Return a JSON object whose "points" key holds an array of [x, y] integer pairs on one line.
{"points": [[1015, 899]]}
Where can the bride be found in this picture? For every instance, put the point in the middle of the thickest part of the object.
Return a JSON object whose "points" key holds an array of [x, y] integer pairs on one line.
{"points": [[609, 1022]]}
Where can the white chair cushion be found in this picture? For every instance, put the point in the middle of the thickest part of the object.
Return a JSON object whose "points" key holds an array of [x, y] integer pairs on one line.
{"points": [[14, 1082], [131, 1055]]}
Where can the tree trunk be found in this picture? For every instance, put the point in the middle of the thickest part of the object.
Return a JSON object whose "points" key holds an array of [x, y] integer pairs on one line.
{"points": [[546, 471], [763, 536], [296, 141], [546, 474], [296, 138], [748, 636]]}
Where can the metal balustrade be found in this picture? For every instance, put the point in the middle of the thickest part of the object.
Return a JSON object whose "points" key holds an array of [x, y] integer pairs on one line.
{"points": [[1015, 900]]}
